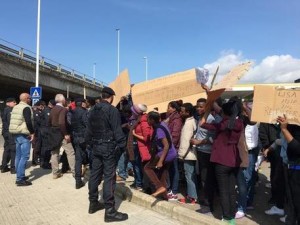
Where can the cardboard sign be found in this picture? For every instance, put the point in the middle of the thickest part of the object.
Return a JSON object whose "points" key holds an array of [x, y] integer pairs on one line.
{"points": [[212, 96], [121, 86], [270, 101], [233, 76], [159, 92]]}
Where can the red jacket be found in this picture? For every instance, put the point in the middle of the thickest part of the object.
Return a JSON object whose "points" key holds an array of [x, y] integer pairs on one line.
{"points": [[145, 130], [175, 126]]}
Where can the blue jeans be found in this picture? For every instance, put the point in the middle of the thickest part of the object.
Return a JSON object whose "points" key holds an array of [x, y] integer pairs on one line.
{"points": [[190, 176], [246, 181], [174, 176], [137, 167], [23, 146], [122, 166]]}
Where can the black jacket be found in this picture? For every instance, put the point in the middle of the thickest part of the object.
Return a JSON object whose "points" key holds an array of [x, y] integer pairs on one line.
{"points": [[6, 120], [104, 123], [268, 133]]}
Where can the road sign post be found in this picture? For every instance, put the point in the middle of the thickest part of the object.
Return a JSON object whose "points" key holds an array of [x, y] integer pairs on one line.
{"points": [[36, 94]]}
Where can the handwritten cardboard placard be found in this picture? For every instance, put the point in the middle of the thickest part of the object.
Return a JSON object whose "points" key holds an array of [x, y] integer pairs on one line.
{"points": [[213, 95], [159, 92], [269, 102], [233, 76], [121, 86]]}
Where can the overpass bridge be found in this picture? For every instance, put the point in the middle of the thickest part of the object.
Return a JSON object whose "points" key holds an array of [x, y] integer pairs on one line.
{"points": [[17, 75]]}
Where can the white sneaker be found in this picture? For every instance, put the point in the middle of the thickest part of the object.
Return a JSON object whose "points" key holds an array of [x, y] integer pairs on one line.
{"points": [[282, 219], [239, 214], [275, 211]]}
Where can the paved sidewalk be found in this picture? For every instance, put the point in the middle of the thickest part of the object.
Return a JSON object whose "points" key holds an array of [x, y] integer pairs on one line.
{"points": [[51, 202]]}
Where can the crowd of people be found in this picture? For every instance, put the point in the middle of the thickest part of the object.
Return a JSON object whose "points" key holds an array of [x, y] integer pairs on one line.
{"points": [[203, 150]]}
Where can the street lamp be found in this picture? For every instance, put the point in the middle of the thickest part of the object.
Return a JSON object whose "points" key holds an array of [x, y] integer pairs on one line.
{"points": [[118, 66], [94, 71], [146, 67], [38, 45]]}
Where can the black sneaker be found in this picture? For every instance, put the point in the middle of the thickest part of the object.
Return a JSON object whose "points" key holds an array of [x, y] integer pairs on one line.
{"points": [[23, 183], [95, 206], [12, 170], [112, 215], [5, 169], [79, 185]]}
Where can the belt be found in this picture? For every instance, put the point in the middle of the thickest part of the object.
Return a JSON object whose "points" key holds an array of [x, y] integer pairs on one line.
{"points": [[100, 141], [293, 167]]}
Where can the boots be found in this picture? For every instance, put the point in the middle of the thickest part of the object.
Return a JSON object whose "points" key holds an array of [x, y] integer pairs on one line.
{"points": [[112, 215], [79, 185], [95, 206]]}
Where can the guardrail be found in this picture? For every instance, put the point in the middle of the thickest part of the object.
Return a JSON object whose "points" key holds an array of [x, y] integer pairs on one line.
{"points": [[27, 55]]}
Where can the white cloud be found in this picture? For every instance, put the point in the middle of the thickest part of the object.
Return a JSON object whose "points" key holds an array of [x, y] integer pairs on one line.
{"points": [[272, 69]]}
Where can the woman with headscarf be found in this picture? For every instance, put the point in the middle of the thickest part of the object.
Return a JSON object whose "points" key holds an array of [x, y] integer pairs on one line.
{"points": [[139, 142]]}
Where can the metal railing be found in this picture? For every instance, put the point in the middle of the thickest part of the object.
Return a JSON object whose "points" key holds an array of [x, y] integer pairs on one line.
{"points": [[27, 55]]}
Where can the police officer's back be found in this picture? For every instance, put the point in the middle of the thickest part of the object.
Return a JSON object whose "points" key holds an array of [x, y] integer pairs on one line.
{"points": [[78, 125], [108, 141], [44, 132]]}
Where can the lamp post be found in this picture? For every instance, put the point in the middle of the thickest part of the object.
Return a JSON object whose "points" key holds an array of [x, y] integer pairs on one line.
{"points": [[94, 71], [146, 67], [38, 45], [118, 56]]}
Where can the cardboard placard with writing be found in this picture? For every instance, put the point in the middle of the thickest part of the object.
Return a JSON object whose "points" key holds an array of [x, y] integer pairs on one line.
{"points": [[159, 92], [212, 96], [269, 102], [233, 76], [121, 86]]}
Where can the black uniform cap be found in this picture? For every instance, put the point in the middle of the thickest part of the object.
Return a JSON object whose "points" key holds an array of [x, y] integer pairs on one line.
{"points": [[79, 100], [10, 100], [108, 90], [52, 102]]}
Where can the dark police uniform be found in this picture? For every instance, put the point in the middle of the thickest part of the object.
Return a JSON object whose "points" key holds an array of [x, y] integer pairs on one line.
{"points": [[104, 133], [79, 124], [36, 144], [44, 132], [9, 153]]}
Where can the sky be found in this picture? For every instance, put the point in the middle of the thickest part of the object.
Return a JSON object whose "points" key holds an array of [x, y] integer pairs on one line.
{"points": [[174, 36]]}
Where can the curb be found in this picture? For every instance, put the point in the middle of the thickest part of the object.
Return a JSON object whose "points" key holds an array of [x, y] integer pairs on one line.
{"points": [[182, 214]]}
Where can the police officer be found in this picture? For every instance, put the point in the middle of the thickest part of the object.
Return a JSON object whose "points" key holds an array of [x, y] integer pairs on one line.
{"points": [[108, 141], [37, 110], [79, 124], [44, 132], [9, 152]]}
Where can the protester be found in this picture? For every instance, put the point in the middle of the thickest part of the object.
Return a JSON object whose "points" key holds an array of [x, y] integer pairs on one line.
{"points": [[225, 155], [203, 142], [248, 150], [174, 122], [162, 155], [141, 132], [291, 134], [187, 153]]}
